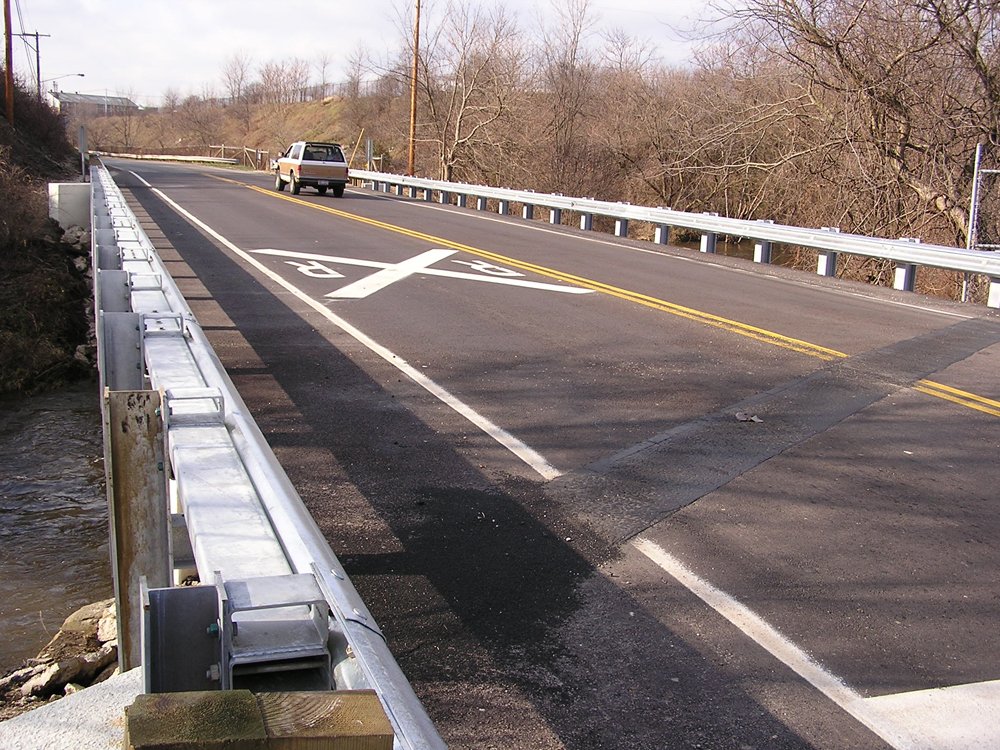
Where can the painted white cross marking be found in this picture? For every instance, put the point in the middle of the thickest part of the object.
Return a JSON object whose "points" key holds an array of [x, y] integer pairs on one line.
{"points": [[389, 273]]}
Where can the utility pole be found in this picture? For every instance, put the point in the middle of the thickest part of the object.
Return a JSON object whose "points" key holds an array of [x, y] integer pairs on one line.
{"points": [[9, 47], [413, 93], [38, 61]]}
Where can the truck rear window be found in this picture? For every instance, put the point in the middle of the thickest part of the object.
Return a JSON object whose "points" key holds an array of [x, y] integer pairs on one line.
{"points": [[322, 152]]}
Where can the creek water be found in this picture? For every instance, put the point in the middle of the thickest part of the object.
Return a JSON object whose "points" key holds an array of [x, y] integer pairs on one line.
{"points": [[53, 515]]}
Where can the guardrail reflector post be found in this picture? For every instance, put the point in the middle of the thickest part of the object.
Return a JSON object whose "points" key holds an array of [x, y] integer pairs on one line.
{"points": [[826, 263], [138, 513], [621, 227], [586, 222], [445, 197], [762, 251], [555, 216], [527, 211], [481, 203], [661, 236], [905, 277], [708, 242], [463, 200], [503, 208], [994, 297]]}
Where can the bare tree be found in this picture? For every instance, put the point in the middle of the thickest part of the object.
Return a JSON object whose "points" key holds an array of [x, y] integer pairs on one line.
{"points": [[913, 84], [322, 64], [236, 78], [470, 72], [171, 100], [201, 119], [566, 72], [285, 82]]}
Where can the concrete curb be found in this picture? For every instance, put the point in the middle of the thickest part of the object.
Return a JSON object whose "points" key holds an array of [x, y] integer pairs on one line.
{"points": [[93, 719]]}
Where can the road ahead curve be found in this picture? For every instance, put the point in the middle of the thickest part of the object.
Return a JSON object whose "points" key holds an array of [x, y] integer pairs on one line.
{"points": [[605, 495]]}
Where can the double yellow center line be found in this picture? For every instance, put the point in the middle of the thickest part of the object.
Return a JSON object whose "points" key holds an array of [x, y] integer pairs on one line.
{"points": [[929, 387]]}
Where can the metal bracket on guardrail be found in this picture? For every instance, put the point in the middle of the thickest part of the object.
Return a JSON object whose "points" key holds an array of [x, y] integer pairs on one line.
{"points": [[187, 406]]}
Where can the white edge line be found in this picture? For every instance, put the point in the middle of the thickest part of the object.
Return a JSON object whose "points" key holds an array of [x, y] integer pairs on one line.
{"points": [[524, 452], [771, 640]]}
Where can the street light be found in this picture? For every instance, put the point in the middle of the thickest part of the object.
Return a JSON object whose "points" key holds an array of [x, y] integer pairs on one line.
{"points": [[55, 78], [64, 75]]}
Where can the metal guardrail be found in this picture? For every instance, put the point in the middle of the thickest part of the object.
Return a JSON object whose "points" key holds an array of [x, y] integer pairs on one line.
{"points": [[275, 606], [908, 254]]}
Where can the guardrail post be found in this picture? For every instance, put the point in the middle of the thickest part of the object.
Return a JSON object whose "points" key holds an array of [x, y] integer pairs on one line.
{"points": [[905, 276], [413, 191], [661, 236], [399, 189], [428, 195], [994, 296], [138, 514], [586, 222], [826, 263], [527, 211], [761, 251], [762, 248], [621, 227], [463, 200], [445, 197], [555, 216], [709, 240], [481, 202]]}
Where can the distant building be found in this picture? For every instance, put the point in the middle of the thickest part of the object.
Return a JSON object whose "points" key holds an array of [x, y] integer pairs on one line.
{"points": [[90, 105]]}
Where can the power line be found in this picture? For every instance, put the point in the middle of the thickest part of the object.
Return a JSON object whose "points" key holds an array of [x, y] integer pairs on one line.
{"points": [[24, 39]]}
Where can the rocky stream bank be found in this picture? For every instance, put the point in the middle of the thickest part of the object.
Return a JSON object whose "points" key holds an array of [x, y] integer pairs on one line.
{"points": [[83, 653]]}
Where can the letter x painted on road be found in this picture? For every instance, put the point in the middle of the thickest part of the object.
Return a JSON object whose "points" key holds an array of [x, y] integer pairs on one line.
{"points": [[390, 273]]}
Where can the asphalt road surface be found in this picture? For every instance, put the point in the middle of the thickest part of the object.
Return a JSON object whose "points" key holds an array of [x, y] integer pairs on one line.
{"points": [[600, 494]]}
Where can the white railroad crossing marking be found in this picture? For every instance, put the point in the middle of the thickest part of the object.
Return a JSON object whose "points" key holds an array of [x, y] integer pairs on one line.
{"points": [[319, 266]]}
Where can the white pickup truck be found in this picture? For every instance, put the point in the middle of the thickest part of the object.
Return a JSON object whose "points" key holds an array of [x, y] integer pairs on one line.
{"points": [[313, 164]]}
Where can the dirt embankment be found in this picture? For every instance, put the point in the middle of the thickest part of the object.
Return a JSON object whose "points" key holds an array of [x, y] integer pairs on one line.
{"points": [[45, 330]]}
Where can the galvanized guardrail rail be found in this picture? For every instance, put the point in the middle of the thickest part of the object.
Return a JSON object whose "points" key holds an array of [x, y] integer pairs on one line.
{"points": [[907, 254], [197, 493]]}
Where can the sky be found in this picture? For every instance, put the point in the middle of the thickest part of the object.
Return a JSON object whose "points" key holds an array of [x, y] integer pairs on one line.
{"points": [[140, 48]]}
